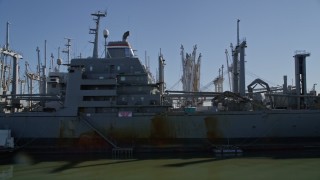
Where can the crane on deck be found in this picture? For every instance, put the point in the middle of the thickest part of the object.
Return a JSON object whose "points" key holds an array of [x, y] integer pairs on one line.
{"points": [[228, 68]]}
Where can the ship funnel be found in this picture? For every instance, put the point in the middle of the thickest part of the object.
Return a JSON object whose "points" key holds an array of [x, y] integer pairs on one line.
{"points": [[125, 35]]}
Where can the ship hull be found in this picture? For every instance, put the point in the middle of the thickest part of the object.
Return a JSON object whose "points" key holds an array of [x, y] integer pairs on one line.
{"points": [[198, 131]]}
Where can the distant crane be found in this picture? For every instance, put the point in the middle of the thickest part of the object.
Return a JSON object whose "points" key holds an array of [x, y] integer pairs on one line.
{"points": [[314, 87], [191, 70], [228, 68], [218, 81], [215, 81], [313, 91]]}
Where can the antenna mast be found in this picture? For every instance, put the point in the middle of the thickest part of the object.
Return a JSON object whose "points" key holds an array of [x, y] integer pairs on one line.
{"points": [[38, 67], [44, 71], [67, 51], [7, 37], [238, 40], [45, 53], [96, 32]]}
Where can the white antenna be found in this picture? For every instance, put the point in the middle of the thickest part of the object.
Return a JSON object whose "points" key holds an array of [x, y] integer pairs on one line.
{"points": [[105, 35], [51, 62]]}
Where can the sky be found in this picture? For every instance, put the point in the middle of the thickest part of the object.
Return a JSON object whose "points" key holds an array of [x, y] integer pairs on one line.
{"points": [[273, 29]]}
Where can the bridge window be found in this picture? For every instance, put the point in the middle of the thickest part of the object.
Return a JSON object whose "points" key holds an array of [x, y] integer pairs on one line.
{"points": [[128, 52], [120, 52]]}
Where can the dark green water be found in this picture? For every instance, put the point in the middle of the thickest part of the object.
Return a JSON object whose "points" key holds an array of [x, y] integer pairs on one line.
{"points": [[293, 165]]}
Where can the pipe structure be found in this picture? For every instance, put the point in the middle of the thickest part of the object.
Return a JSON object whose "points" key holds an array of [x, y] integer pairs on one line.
{"points": [[242, 79]]}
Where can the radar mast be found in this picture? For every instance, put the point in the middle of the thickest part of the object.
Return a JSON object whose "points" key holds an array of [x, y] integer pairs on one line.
{"points": [[96, 32]]}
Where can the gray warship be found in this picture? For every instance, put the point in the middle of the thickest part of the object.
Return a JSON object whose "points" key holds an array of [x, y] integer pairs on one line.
{"points": [[114, 103]]}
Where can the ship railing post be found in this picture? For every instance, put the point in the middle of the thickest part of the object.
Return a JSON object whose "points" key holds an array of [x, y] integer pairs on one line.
{"points": [[122, 153]]}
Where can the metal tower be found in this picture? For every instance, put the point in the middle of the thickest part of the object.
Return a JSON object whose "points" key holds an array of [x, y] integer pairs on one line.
{"points": [[300, 76], [239, 71]]}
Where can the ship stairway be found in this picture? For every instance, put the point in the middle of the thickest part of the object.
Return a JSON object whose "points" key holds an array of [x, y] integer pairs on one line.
{"points": [[85, 119], [117, 152]]}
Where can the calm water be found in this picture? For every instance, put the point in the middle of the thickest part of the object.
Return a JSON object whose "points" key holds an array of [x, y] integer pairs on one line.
{"points": [[294, 165]]}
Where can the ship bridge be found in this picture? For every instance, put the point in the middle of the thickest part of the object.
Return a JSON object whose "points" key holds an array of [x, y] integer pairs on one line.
{"points": [[119, 49]]}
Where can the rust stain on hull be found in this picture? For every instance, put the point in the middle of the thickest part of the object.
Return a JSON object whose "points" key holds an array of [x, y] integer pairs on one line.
{"points": [[122, 137], [92, 140], [160, 131], [213, 131], [159, 127]]}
